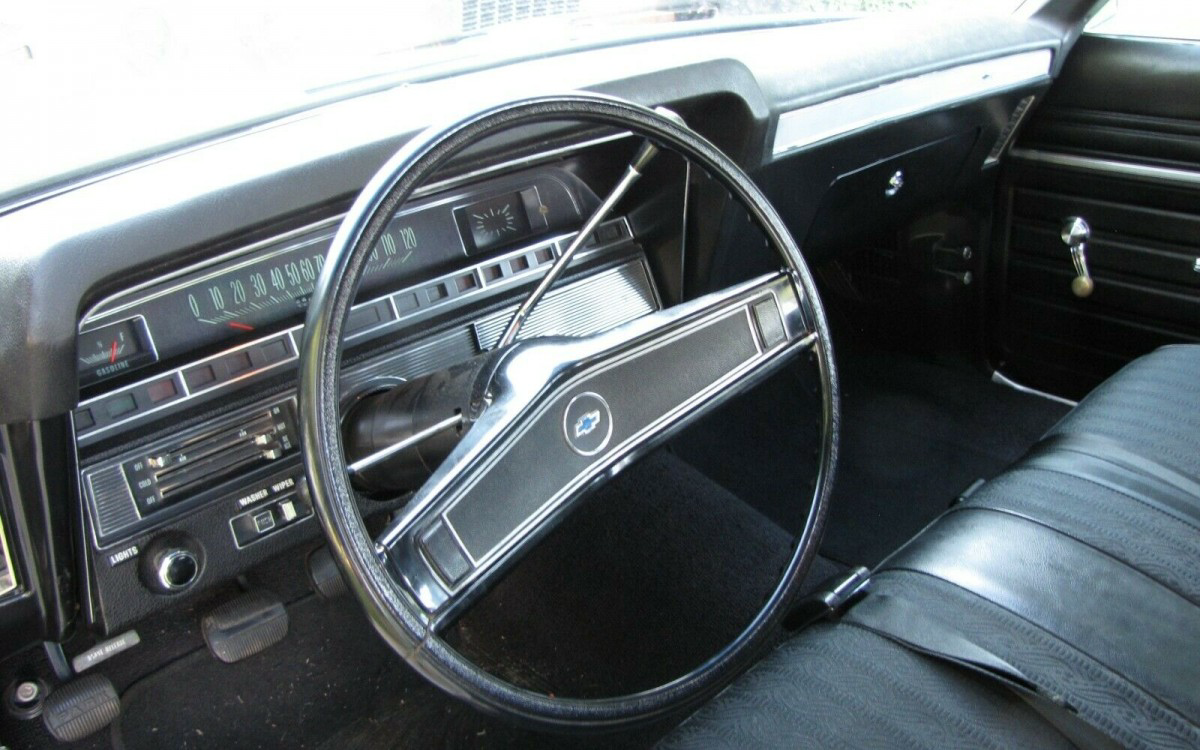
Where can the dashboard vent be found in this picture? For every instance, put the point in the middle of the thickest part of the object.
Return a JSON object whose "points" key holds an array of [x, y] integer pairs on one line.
{"points": [[8, 573], [115, 507], [1010, 129]]}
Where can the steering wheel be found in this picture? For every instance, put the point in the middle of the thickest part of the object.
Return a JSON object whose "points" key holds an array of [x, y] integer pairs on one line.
{"points": [[527, 428]]}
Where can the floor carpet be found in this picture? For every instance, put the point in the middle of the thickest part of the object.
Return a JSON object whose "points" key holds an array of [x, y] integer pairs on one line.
{"points": [[647, 578]]}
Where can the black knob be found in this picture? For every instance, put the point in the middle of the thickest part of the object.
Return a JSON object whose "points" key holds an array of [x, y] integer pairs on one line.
{"points": [[177, 568]]}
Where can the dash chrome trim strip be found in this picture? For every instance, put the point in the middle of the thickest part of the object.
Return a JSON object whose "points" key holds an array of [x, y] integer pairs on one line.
{"points": [[909, 96]]}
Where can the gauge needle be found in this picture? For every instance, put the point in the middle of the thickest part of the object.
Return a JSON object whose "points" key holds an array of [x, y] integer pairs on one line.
{"points": [[242, 326], [112, 354]]}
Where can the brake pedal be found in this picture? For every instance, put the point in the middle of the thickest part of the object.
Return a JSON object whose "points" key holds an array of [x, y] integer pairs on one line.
{"points": [[324, 574], [80, 708], [244, 626]]}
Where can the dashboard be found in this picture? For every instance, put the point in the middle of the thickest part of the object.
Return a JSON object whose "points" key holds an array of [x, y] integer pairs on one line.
{"points": [[176, 508], [153, 314]]}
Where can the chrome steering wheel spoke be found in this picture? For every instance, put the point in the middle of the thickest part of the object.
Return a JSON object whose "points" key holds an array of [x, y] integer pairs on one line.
{"points": [[566, 413]]}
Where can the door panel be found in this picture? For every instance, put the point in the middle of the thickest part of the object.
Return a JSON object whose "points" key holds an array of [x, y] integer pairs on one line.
{"points": [[1116, 141]]}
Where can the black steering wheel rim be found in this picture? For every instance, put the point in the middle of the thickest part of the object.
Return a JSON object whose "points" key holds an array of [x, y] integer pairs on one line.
{"points": [[392, 611]]}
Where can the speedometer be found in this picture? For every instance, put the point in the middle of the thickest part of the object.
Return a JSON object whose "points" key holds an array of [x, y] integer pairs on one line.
{"points": [[233, 298], [277, 284]]}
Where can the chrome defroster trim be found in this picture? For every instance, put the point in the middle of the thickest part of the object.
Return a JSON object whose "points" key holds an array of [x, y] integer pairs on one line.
{"points": [[806, 126]]}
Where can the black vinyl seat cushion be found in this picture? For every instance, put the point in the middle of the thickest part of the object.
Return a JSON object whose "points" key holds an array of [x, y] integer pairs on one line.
{"points": [[838, 686], [1080, 566], [1151, 406], [1116, 645]]}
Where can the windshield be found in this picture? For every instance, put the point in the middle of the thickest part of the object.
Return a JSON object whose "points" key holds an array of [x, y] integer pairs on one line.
{"points": [[88, 84]]}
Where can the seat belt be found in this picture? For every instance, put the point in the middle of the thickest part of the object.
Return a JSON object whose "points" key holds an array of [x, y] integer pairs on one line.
{"points": [[1110, 464], [912, 627]]}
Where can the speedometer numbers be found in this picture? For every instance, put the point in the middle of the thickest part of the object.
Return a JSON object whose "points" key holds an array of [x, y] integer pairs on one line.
{"points": [[395, 247], [261, 292], [238, 298], [112, 349]]}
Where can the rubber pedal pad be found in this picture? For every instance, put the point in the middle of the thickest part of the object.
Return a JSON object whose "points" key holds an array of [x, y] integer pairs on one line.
{"points": [[80, 708], [244, 626], [324, 575]]}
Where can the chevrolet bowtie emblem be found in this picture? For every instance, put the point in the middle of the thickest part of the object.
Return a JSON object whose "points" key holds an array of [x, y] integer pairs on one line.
{"points": [[587, 423]]}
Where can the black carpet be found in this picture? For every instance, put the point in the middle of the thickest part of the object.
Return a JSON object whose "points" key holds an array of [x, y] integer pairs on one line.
{"points": [[762, 446], [657, 572], [916, 434], [649, 577]]}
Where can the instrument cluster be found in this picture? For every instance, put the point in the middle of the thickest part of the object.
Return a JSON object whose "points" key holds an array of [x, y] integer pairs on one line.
{"points": [[257, 288]]}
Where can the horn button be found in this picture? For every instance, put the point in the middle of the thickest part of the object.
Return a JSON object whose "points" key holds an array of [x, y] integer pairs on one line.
{"points": [[587, 424]]}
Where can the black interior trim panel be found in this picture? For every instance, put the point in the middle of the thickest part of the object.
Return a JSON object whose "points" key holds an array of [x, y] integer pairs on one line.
{"points": [[1124, 156]]}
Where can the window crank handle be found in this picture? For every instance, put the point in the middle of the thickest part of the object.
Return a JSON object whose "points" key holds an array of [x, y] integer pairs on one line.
{"points": [[1076, 233]]}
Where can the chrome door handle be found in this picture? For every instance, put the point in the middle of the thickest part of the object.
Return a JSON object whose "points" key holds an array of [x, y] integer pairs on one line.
{"points": [[1076, 233]]}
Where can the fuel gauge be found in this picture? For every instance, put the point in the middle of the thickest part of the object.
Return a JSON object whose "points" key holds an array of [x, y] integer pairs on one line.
{"points": [[112, 349]]}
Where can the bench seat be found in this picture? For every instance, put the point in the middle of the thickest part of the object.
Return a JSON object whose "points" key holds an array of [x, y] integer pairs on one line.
{"points": [[1078, 569]]}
